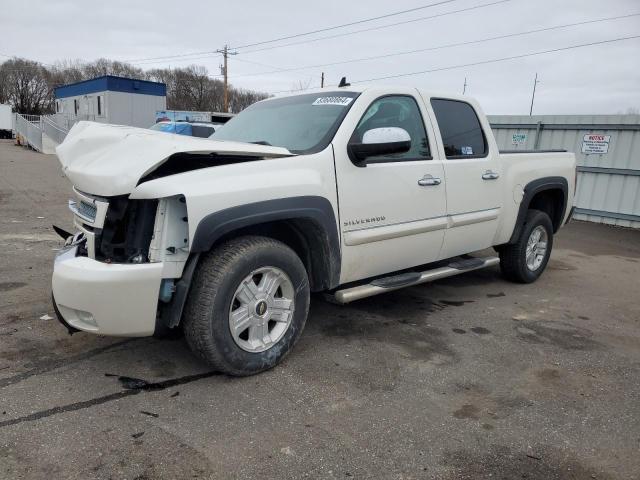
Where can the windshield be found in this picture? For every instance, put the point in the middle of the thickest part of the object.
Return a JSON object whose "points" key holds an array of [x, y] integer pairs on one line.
{"points": [[301, 123]]}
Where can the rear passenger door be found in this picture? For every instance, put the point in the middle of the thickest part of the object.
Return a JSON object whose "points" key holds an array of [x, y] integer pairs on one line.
{"points": [[472, 172]]}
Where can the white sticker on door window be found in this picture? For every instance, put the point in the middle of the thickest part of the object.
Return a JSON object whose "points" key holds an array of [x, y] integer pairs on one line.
{"points": [[467, 150], [341, 101]]}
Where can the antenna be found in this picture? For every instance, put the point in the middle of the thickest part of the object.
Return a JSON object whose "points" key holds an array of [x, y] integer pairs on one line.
{"points": [[533, 95], [343, 82], [464, 87]]}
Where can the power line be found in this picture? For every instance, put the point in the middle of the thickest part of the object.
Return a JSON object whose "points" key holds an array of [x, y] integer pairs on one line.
{"points": [[204, 54], [484, 62], [439, 47], [244, 60], [273, 67], [357, 22], [147, 61], [380, 27], [513, 57], [178, 58]]}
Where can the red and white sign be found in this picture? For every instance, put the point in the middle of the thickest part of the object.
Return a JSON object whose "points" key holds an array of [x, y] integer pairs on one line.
{"points": [[595, 144]]}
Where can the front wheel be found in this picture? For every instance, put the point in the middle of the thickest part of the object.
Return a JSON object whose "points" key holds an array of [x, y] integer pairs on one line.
{"points": [[525, 260], [247, 305]]}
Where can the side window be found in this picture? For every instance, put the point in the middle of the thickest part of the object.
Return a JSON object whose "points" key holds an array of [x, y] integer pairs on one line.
{"points": [[462, 135], [396, 111]]}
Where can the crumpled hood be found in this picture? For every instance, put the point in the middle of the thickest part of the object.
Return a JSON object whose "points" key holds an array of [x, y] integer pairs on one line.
{"points": [[109, 160]]}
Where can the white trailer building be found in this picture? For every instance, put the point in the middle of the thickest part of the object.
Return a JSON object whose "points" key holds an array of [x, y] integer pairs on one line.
{"points": [[110, 99], [6, 121]]}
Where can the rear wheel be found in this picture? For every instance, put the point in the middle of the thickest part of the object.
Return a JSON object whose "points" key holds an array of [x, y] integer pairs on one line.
{"points": [[247, 305], [525, 260]]}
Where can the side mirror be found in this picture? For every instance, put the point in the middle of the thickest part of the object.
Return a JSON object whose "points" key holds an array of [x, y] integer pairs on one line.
{"points": [[379, 141]]}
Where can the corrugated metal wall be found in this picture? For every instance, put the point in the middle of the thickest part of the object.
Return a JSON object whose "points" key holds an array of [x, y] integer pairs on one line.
{"points": [[133, 109], [608, 183]]}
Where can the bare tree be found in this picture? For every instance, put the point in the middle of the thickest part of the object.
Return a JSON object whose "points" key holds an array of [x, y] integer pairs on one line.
{"points": [[29, 86], [103, 66], [4, 84], [26, 87], [239, 99]]}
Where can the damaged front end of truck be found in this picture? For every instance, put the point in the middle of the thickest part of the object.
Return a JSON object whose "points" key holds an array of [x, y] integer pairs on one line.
{"points": [[126, 269]]}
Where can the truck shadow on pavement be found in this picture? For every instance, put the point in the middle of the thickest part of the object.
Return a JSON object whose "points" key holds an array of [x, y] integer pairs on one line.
{"points": [[397, 326], [400, 317]]}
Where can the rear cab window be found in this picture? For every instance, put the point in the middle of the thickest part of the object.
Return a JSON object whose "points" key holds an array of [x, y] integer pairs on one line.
{"points": [[462, 134]]}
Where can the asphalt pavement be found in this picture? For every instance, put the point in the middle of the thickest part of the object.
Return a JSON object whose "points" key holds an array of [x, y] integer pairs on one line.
{"points": [[466, 378]]}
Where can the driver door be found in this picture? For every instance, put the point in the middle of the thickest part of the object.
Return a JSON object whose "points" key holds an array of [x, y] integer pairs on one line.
{"points": [[393, 209]]}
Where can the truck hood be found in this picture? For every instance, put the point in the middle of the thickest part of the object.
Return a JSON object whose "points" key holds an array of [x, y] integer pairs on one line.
{"points": [[109, 160]]}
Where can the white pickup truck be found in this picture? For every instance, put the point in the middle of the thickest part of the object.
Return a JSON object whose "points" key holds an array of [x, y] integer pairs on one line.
{"points": [[353, 192]]}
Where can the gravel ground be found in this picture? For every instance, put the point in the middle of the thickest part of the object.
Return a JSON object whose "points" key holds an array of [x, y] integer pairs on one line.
{"points": [[469, 377]]}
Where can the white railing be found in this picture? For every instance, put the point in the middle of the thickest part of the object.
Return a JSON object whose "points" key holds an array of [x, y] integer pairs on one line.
{"points": [[31, 128], [61, 120], [30, 118], [52, 128], [28, 127]]}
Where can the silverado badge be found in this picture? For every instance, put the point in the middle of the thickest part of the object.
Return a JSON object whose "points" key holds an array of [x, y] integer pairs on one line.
{"points": [[363, 221]]}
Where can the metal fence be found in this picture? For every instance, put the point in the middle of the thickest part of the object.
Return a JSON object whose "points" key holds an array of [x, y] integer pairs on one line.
{"points": [[607, 149], [28, 127], [31, 129]]}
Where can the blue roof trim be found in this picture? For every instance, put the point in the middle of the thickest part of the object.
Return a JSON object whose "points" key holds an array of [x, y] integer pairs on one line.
{"points": [[113, 84]]}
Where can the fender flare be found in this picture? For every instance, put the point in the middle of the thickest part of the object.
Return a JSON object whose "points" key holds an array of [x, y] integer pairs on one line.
{"points": [[530, 190], [314, 208]]}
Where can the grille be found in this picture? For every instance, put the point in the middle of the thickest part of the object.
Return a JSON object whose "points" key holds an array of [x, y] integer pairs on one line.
{"points": [[87, 210]]}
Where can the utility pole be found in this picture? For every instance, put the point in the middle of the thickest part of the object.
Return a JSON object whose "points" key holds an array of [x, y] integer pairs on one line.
{"points": [[533, 95], [464, 87], [322, 80], [224, 70]]}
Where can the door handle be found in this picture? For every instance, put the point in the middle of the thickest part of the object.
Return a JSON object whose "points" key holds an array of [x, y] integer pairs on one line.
{"points": [[490, 175], [429, 180]]}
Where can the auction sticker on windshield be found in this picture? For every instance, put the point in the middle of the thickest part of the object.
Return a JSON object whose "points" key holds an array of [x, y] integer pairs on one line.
{"points": [[341, 101]]}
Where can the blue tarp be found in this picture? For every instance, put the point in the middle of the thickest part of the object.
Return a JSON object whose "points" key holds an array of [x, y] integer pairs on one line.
{"points": [[179, 128]]}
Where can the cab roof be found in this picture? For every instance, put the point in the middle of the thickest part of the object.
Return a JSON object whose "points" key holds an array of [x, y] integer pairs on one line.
{"points": [[382, 90]]}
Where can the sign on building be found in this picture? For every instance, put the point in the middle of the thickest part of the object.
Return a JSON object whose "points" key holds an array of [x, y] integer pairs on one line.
{"points": [[595, 144], [182, 116], [518, 138]]}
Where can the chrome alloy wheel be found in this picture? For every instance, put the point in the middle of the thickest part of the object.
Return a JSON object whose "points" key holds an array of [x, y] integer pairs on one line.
{"points": [[536, 248], [262, 309]]}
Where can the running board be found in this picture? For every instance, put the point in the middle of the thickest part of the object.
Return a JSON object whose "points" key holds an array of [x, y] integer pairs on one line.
{"points": [[395, 282]]}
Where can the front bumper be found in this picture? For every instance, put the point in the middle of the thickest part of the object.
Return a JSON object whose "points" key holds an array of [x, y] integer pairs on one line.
{"points": [[105, 298]]}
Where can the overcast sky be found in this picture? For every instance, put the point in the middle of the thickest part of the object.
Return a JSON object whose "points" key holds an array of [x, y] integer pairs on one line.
{"points": [[596, 79]]}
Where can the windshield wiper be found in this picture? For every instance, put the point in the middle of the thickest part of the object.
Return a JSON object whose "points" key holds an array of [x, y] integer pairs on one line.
{"points": [[262, 142]]}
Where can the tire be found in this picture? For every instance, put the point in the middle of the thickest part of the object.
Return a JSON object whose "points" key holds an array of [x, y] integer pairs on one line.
{"points": [[222, 285], [513, 258]]}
